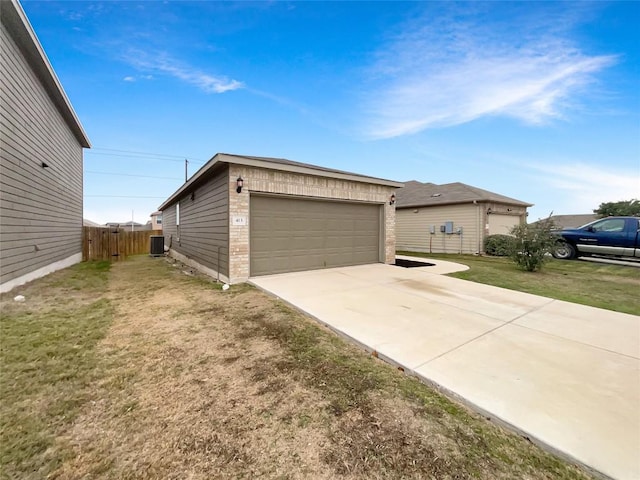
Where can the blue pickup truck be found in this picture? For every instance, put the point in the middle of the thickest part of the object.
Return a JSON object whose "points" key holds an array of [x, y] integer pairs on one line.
{"points": [[617, 236]]}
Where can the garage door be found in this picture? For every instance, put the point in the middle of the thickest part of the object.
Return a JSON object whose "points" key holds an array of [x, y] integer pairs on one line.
{"points": [[292, 234], [502, 223]]}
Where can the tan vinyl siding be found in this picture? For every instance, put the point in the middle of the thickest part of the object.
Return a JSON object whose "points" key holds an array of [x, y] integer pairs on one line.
{"points": [[204, 224], [412, 229], [40, 208]]}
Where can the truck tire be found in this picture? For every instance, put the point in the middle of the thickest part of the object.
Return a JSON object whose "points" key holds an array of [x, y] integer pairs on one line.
{"points": [[564, 251]]}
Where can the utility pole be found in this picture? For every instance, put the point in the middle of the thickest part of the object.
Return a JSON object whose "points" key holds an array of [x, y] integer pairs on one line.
{"points": [[186, 162]]}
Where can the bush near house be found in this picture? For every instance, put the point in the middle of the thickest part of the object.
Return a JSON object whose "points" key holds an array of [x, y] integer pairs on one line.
{"points": [[498, 245], [530, 245]]}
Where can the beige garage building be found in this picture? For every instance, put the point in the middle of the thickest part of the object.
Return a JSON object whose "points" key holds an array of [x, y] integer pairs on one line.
{"points": [[243, 216], [453, 217]]}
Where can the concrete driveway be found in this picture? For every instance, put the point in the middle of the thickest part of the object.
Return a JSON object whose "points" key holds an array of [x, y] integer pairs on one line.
{"points": [[566, 375]]}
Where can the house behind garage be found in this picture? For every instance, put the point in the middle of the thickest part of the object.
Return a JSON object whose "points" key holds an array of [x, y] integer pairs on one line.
{"points": [[243, 216], [40, 159], [569, 221], [453, 217]]}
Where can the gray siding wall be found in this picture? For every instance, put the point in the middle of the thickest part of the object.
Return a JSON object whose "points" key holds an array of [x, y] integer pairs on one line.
{"points": [[169, 225], [40, 208], [203, 233]]}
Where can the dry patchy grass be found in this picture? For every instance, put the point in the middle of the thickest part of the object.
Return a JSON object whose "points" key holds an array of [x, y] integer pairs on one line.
{"points": [[190, 381]]}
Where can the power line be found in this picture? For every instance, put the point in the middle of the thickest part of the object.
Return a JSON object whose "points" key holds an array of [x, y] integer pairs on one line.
{"points": [[131, 175], [142, 153], [146, 158], [137, 154]]}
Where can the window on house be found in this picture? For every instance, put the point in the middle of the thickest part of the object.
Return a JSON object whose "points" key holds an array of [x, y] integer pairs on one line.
{"points": [[159, 219]]}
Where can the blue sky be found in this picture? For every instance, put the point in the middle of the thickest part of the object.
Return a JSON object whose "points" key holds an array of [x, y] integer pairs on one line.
{"points": [[539, 101]]}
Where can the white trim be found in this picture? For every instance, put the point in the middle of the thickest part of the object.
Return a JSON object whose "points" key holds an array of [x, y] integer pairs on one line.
{"points": [[41, 272]]}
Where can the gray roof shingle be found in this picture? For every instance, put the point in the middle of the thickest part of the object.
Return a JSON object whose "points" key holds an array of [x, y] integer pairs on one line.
{"points": [[291, 163], [417, 194]]}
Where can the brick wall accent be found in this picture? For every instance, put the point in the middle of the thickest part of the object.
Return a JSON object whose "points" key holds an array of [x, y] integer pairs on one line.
{"points": [[238, 234], [259, 180]]}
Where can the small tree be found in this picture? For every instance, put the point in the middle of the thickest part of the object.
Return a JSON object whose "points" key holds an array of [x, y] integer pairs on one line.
{"points": [[531, 244], [625, 208], [498, 245]]}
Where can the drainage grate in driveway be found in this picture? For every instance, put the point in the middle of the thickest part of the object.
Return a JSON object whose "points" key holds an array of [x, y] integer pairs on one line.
{"points": [[400, 262]]}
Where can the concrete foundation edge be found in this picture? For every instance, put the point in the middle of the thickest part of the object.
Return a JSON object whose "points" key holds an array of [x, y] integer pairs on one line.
{"points": [[41, 272], [198, 266]]}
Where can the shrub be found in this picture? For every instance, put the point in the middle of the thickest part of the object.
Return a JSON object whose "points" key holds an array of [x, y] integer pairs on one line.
{"points": [[498, 245], [531, 244]]}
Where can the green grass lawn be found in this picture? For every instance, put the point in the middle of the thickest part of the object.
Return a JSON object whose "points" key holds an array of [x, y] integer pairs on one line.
{"points": [[613, 287], [48, 364]]}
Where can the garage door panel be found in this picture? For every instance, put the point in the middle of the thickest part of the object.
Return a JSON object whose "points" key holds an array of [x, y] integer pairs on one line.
{"points": [[336, 242], [292, 234], [502, 224]]}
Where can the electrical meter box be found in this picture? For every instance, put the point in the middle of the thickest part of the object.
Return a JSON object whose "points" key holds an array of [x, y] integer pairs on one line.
{"points": [[448, 227], [432, 229]]}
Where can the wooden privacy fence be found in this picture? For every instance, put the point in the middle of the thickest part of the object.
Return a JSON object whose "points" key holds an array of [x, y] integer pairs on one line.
{"points": [[114, 243]]}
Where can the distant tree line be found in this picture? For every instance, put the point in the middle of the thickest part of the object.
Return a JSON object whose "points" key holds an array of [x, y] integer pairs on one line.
{"points": [[630, 208]]}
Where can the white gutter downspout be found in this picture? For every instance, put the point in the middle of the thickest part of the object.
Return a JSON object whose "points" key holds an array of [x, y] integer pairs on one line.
{"points": [[478, 225]]}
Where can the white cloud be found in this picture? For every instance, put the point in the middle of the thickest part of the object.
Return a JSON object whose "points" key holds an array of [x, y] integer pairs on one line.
{"points": [[452, 70], [163, 64], [129, 79], [581, 187]]}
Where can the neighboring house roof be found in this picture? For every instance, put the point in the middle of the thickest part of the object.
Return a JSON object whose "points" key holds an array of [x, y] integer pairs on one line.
{"points": [[274, 164], [155, 214], [570, 221], [89, 223], [125, 224], [22, 32], [417, 194]]}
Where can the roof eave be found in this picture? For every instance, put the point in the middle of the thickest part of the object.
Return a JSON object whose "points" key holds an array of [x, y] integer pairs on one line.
{"points": [[460, 202], [209, 166], [228, 159], [307, 170], [18, 24]]}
